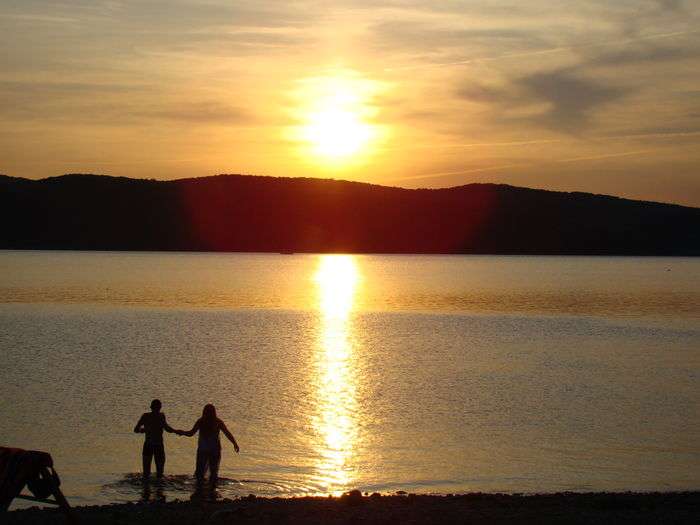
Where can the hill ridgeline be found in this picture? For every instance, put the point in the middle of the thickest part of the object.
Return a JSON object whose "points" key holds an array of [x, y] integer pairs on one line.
{"points": [[268, 214]]}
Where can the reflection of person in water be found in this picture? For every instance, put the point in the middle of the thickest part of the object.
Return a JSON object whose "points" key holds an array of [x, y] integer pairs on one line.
{"points": [[209, 446], [146, 493], [152, 424]]}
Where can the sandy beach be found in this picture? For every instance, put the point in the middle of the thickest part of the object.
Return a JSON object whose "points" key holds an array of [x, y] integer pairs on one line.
{"points": [[355, 508]]}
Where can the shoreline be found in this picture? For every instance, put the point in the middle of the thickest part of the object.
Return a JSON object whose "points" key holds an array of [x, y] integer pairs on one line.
{"points": [[397, 508]]}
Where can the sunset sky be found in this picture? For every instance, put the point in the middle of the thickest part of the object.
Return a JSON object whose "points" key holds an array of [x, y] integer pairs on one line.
{"points": [[598, 96]]}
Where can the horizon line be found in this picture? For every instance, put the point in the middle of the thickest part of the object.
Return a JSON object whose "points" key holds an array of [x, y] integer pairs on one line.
{"points": [[332, 179]]}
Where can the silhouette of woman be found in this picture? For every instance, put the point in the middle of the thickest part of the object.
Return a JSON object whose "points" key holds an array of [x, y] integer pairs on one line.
{"points": [[209, 445]]}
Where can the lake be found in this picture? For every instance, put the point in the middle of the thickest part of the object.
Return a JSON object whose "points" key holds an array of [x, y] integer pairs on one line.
{"points": [[378, 372]]}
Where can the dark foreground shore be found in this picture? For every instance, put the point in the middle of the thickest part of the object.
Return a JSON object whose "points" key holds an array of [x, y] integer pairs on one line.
{"points": [[353, 508]]}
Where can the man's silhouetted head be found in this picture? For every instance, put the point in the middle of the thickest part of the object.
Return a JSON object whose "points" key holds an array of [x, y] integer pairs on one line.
{"points": [[156, 405]]}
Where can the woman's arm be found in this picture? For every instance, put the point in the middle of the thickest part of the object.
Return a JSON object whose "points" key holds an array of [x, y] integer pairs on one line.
{"points": [[138, 429], [230, 437], [190, 433]]}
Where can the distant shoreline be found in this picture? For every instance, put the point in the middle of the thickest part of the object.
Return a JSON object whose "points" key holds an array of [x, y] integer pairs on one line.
{"points": [[655, 507], [240, 214]]}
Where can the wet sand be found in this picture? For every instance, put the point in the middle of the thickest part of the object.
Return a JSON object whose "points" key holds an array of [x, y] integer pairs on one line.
{"points": [[397, 509]]}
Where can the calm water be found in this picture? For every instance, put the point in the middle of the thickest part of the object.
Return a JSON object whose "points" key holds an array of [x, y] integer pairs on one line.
{"points": [[421, 373]]}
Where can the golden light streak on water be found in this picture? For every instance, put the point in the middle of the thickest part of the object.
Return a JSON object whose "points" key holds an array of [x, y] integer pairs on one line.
{"points": [[337, 279]]}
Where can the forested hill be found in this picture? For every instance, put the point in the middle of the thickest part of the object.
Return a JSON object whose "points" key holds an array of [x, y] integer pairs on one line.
{"points": [[267, 214]]}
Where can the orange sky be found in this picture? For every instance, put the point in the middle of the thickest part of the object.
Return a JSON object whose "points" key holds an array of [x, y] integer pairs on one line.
{"points": [[596, 95]]}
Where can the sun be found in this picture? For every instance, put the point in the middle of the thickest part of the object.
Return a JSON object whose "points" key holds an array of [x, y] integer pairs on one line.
{"points": [[337, 132], [336, 117]]}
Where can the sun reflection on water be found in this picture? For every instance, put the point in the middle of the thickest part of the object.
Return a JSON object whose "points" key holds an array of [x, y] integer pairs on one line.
{"points": [[336, 279]]}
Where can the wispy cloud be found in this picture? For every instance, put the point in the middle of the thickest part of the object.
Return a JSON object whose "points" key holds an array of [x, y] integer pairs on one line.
{"points": [[200, 112], [38, 18], [581, 47], [607, 155], [459, 172], [650, 135]]}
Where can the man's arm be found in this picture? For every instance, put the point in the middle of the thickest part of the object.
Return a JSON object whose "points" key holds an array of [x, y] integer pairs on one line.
{"points": [[167, 427], [229, 436], [138, 429]]}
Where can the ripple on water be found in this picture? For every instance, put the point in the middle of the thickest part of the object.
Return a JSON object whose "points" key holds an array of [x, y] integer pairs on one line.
{"points": [[132, 487]]}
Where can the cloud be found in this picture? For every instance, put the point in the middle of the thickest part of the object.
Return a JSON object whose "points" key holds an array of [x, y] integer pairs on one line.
{"points": [[667, 134], [460, 172], [26, 100], [110, 33], [137, 15], [500, 9], [561, 99], [638, 17], [57, 89], [571, 98], [605, 156], [113, 104], [418, 36], [200, 112], [38, 18], [649, 51], [670, 5], [225, 42]]}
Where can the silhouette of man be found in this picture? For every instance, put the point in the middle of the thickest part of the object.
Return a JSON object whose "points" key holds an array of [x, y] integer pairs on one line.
{"points": [[152, 424]]}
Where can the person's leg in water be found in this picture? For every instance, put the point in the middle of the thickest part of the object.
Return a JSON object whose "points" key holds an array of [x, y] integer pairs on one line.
{"points": [[147, 455], [159, 455], [200, 470], [214, 460]]}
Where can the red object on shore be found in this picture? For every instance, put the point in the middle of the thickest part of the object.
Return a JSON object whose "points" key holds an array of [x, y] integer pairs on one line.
{"points": [[34, 469]]}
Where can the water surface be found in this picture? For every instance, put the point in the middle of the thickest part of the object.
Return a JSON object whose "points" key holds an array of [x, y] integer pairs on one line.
{"points": [[421, 373]]}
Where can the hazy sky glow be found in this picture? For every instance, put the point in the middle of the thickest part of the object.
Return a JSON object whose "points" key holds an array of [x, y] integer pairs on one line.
{"points": [[600, 96]]}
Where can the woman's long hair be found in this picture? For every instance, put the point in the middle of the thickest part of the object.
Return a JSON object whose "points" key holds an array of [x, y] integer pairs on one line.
{"points": [[209, 419]]}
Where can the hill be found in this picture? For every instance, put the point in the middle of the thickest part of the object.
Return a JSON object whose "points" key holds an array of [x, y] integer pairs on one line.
{"points": [[268, 214]]}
